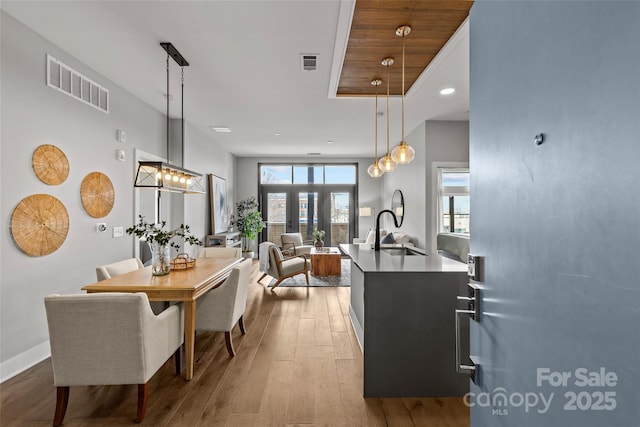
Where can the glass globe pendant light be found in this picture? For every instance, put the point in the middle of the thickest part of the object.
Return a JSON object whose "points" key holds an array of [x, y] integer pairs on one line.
{"points": [[386, 163], [374, 170], [403, 153]]}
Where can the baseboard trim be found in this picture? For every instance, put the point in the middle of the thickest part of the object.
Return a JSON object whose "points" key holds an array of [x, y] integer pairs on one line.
{"points": [[23, 361]]}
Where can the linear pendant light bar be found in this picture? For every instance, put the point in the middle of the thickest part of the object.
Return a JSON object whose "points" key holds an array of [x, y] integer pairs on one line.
{"points": [[165, 176]]}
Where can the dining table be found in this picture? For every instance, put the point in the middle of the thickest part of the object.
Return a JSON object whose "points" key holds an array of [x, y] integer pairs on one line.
{"points": [[185, 285]]}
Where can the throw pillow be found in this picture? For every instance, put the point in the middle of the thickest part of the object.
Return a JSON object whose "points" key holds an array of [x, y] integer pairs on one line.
{"points": [[402, 238], [371, 236], [388, 239]]}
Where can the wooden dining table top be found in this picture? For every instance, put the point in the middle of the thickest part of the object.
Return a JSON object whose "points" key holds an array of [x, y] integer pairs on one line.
{"points": [[178, 285]]}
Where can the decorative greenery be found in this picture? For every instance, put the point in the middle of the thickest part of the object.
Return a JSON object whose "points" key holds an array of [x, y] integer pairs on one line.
{"points": [[249, 220], [318, 234], [157, 233]]}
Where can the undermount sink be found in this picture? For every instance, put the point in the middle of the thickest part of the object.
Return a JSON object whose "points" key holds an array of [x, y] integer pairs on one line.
{"points": [[400, 251]]}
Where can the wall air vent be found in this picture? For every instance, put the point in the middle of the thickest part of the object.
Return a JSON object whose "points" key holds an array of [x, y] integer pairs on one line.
{"points": [[309, 62], [65, 79]]}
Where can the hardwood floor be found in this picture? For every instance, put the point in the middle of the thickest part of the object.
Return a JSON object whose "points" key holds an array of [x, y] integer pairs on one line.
{"points": [[298, 365]]}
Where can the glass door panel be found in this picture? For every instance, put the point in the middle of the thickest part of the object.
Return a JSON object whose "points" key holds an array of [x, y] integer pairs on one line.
{"points": [[307, 213], [276, 216], [340, 214]]}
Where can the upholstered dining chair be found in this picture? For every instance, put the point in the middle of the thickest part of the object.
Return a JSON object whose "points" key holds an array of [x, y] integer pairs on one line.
{"points": [[108, 271], [281, 267], [109, 338], [212, 252], [293, 243], [222, 307]]}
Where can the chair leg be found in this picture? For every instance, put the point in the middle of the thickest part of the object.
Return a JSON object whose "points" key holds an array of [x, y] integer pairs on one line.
{"points": [[227, 339], [61, 405], [143, 394], [277, 283], [177, 357], [262, 277], [306, 276], [241, 324]]}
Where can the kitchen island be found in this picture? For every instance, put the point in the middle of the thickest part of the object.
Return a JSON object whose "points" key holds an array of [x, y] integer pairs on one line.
{"points": [[402, 310]]}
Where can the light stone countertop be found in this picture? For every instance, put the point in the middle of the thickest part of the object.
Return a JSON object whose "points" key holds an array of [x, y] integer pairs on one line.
{"points": [[369, 260]]}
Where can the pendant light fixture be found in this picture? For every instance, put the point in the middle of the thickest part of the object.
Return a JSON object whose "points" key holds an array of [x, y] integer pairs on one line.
{"points": [[386, 163], [403, 153], [165, 176], [374, 170]]}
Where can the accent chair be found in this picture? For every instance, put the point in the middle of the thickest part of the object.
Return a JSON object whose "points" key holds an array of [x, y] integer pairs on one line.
{"points": [[293, 243], [281, 267]]}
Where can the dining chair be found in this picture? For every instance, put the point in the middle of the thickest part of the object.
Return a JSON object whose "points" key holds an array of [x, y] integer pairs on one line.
{"points": [[221, 252], [108, 271], [293, 242], [282, 267], [109, 338], [222, 307]]}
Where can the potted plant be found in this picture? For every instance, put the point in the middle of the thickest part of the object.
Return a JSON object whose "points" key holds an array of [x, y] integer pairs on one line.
{"points": [[318, 235], [249, 223], [160, 241]]}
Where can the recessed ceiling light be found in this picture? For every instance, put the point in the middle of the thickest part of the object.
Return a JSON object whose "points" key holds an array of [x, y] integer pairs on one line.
{"points": [[221, 129], [447, 91], [277, 134], [330, 141]]}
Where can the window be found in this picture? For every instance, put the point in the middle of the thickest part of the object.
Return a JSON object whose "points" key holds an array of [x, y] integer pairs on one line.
{"points": [[453, 201], [302, 197], [308, 174]]}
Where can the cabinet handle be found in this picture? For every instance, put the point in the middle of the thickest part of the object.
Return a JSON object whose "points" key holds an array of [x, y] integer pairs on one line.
{"points": [[460, 368]]}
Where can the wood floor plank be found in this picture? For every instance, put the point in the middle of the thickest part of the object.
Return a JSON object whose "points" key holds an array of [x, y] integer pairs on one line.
{"points": [[299, 365], [336, 316], [342, 345], [275, 399], [250, 395]]}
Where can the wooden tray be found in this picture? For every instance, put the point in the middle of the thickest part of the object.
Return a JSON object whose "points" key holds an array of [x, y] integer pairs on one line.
{"points": [[182, 262]]}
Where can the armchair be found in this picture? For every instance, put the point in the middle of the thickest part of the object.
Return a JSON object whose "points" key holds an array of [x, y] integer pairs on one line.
{"points": [[109, 338], [222, 307], [281, 267], [293, 242]]}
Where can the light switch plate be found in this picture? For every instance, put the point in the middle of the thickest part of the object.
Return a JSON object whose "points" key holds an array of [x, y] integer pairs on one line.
{"points": [[118, 232]]}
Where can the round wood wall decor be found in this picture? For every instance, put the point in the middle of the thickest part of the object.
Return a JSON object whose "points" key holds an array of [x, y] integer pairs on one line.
{"points": [[50, 164], [39, 224], [97, 194]]}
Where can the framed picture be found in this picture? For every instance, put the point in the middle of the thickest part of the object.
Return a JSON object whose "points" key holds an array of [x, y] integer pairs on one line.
{"points": [[218, 204]]}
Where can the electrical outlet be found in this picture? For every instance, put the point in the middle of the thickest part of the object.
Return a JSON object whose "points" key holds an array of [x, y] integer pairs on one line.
{"points": [[118, 232], [101, 227]]}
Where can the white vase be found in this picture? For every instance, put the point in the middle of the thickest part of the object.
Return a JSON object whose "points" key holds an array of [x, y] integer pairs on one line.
{"points": [[160, 259]]}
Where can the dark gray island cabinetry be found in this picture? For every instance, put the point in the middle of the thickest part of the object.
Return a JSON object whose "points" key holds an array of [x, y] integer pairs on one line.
{"points": [[402, 309]]}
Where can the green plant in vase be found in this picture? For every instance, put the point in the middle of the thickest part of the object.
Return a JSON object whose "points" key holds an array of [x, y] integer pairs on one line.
{"points": [[248, 222], [318, 235], [161, 241]]}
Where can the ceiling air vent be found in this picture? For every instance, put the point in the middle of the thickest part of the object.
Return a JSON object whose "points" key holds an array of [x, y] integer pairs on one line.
{"points": [[309, 62], [314, 154]]}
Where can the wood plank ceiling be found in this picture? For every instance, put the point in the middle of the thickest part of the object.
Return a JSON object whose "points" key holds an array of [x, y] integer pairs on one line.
{"points": [[373, 37]]}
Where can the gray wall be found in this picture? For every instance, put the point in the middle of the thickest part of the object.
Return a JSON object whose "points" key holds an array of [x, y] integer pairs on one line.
{"points": [[434, 142], [34, 114], [558, 223], [368, 192]]}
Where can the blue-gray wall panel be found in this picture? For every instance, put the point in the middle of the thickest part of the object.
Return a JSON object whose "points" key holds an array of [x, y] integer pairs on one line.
{"points": [[558, 223]]}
